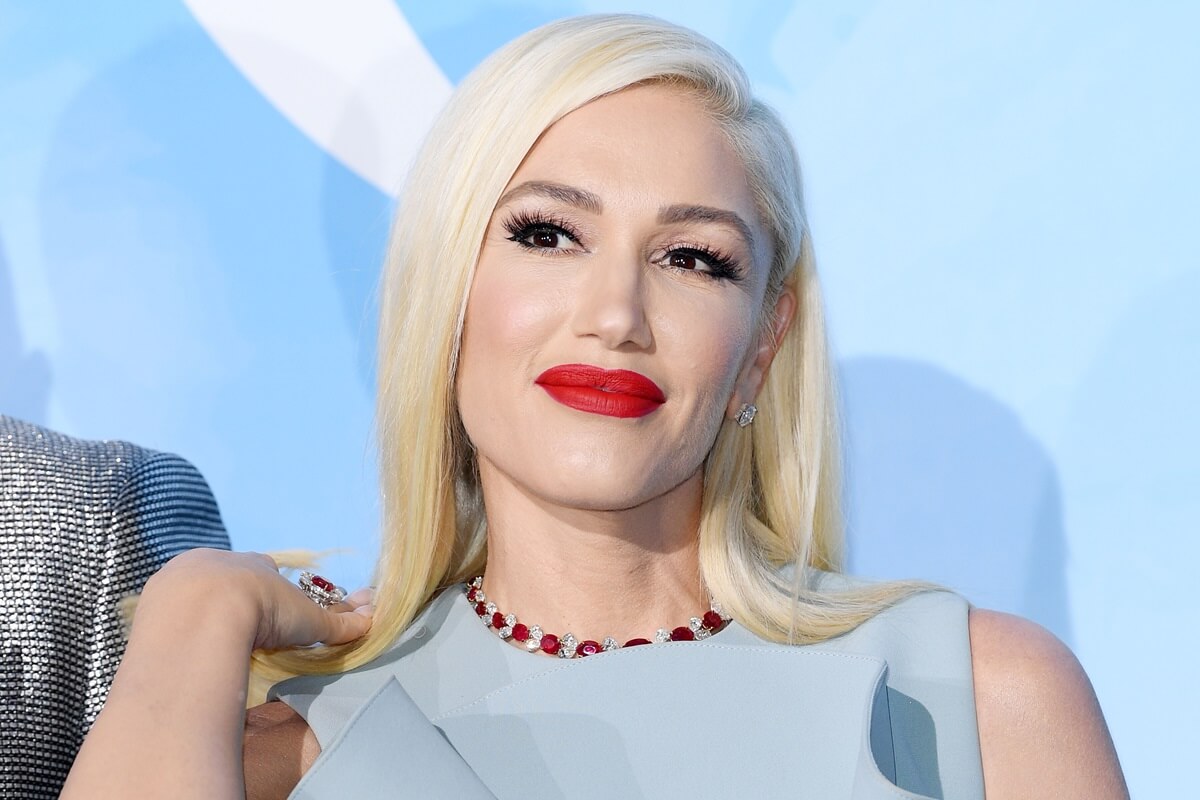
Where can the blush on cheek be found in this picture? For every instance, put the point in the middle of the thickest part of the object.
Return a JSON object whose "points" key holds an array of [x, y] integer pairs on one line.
{"points": [[509, 320]]}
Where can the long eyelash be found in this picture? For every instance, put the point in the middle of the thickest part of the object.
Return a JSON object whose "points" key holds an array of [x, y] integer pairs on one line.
{"points": [[722, 267], [524, 223]]}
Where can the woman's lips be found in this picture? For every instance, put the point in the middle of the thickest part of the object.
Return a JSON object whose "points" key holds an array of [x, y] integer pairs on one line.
{"points": [[611, 392]]}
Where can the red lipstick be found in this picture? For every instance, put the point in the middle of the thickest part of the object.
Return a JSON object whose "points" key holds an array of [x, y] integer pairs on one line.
{"points": [[611, 392]]}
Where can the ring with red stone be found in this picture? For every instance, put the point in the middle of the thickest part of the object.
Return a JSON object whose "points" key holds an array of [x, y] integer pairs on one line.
{"points": [[320, 590]]}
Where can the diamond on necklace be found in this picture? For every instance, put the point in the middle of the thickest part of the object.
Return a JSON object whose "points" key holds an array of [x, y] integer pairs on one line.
{"points": [[567, 645], [534, 638]]}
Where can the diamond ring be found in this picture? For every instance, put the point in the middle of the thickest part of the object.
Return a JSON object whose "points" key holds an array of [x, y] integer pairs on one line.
{"points": [[321, 591]]}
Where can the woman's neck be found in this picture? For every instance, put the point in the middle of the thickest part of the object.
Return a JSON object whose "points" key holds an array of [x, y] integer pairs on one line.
{"points": [[595, 573]]}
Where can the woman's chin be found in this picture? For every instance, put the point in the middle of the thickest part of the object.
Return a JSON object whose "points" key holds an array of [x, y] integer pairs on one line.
{"points": [[602, 491]]}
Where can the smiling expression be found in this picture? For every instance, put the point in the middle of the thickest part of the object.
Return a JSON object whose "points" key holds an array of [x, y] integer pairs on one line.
{"points": [[614, 315]]}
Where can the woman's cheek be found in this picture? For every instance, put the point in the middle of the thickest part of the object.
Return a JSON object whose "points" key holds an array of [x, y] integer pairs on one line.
{"points": [[723, 351], [519, 314]]}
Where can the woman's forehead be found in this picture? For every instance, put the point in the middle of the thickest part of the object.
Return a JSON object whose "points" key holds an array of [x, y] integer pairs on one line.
{"points": [[648, 142]]}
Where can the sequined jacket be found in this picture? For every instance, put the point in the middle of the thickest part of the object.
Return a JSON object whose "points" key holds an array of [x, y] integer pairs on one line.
{"points": [[82, 524]]}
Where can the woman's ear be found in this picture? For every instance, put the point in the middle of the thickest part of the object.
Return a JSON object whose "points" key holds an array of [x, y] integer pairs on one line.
{"points": [[754, 373]]}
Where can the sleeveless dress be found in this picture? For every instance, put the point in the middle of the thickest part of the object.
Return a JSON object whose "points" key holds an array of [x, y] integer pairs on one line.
{"points": [[885, 711]]}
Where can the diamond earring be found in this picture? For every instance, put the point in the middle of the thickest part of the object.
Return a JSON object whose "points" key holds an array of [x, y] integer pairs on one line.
{"points": [[746, 414]]}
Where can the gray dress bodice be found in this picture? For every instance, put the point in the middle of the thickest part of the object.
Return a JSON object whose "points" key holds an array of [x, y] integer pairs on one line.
{"points": [[886, 711]]}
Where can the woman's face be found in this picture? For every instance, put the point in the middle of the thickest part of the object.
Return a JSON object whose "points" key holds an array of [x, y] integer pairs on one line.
{"points": [[614, 317]]}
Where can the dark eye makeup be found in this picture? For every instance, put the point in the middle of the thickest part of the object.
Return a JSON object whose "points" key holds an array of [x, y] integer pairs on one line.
{"points": [[535, 231], [720, 266]]}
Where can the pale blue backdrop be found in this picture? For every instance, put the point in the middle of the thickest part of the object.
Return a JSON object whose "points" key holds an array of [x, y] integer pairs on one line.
{"points": [[194, 197]]}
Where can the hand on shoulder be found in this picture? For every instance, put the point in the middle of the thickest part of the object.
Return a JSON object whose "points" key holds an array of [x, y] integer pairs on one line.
{"points": [[1041, 731], [197, 621], [273, 607]]}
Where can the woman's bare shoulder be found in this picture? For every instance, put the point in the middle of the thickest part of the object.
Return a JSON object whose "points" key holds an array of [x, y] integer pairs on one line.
{"points": [[1041, 731], [278, 748]]}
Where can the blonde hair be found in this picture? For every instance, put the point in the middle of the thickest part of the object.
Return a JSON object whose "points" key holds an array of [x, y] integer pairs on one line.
{"points": [[772, 494]]}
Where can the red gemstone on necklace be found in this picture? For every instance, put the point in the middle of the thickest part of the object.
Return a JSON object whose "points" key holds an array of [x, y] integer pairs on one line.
{"points": [[321, 583], [549, 643]]}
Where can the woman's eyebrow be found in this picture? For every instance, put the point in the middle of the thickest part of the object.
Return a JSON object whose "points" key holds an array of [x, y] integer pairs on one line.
{"points": [[580, 198], [696, 213]]}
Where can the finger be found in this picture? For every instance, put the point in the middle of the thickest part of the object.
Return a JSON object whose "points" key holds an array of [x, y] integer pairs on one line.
{"points": [[348, 625], [360, 597], [357, 600]]}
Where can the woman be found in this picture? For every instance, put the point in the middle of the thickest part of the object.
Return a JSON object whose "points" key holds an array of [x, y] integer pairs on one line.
{"points": [[604, 388]]}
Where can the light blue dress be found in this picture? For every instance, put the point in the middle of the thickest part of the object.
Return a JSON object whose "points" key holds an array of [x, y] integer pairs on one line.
{"points": [[886, 711]]}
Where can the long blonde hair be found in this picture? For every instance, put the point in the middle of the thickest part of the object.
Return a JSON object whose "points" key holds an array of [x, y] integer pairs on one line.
{"points": [[772, 496]]}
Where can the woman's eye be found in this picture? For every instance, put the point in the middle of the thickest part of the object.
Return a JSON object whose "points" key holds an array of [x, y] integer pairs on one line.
{"points": [[680, 260], [711, 264], [546, 237], [541, 236]]}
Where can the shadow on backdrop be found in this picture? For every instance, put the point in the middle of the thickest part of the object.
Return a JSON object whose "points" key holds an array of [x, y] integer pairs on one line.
{"points": [[355, 218], [945, 484], [185, 253], [24, 377]]}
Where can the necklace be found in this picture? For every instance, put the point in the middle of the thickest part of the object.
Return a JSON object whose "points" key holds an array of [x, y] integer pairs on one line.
{"points": [[533, 638]]}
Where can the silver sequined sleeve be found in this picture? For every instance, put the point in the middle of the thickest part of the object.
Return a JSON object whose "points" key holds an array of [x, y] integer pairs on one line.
{"points": [[82, 524]]}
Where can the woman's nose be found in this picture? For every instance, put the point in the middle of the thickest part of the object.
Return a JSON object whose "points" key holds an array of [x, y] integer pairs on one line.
{"points": [[610, 303]]}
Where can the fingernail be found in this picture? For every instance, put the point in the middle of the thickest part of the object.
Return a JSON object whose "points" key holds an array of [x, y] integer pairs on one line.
{"points": [[360, 596], [366, 610]]}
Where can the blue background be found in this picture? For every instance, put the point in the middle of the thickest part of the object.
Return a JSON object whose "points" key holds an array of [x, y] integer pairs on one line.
{"points": [[1004, 201]]}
